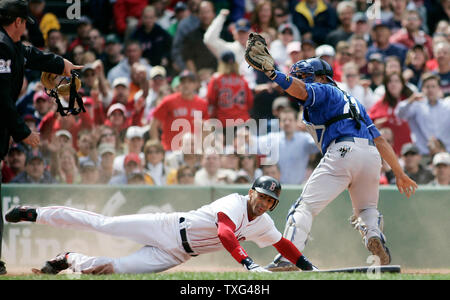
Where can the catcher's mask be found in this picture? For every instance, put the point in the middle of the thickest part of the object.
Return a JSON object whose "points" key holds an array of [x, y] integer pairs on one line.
{"points": [[57, 85], [268, 186], [308, 69]]}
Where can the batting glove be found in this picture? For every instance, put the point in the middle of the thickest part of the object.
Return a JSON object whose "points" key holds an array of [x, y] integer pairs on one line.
{"points": [[252, 266]]}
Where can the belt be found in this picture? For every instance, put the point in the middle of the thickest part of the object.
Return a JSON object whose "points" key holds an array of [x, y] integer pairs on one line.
{"points": [[351, 139], [184, 240]]}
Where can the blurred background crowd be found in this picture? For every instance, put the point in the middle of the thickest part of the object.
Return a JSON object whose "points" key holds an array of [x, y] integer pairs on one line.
{"points": [[150, 63]]}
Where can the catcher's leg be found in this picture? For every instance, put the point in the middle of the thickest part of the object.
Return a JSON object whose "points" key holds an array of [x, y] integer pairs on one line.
{"points": [[327, 181], [364, 194]]}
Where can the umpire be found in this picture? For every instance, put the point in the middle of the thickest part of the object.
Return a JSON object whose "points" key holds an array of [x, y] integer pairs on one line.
{"points": [[14, 58]]}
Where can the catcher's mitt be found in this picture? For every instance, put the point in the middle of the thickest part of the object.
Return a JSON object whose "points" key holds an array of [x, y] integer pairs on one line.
{"points": [[57, 85], [257, 55]]}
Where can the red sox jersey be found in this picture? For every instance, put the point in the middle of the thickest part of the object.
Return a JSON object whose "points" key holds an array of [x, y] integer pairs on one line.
{"points": [[229, 97], [174, 107], [202, 225]]}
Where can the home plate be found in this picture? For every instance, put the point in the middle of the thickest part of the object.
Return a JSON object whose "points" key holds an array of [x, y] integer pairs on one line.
{"points": [[366, 269]]}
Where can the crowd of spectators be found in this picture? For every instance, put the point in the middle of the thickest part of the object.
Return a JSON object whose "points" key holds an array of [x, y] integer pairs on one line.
{"points": [[153, 68]]}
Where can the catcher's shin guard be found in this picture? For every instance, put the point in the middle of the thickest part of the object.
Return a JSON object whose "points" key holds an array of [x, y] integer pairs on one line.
{"points": [[298, 225]]}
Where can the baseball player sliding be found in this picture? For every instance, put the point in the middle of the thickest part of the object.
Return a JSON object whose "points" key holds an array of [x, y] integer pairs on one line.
{"points": [[350, 143], [173, 238]]}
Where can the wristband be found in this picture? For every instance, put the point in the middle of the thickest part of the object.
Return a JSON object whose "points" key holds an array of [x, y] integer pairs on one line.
{"points": [[304, 264], [239, 254], [247, 262], [281, 79]]}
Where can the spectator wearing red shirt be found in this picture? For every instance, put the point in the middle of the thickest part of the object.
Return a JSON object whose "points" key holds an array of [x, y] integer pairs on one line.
{"points": [[178, 106], [410, 33], [383, 111], [83, 28], [52, 122], [229, 96], [126, 10]]}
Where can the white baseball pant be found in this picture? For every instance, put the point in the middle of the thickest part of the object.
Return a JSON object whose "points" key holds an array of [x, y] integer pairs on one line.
{"points": [[159, 232], [353, 165]]}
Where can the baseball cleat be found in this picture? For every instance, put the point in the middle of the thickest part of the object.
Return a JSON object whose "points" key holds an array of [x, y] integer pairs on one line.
{"points": [[377, 247], [21, 213], [281, 266], [54, 266], [2, 268]]}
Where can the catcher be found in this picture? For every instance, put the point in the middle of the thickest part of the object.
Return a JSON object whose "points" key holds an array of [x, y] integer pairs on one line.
{"points": [[173, 238], [14, 58], [351, 145]]}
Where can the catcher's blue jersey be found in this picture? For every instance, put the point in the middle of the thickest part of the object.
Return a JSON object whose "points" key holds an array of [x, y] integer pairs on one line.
{"points": [[325, 102]]}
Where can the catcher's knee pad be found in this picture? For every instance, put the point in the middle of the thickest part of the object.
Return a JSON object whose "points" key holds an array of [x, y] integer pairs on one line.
{"points": [[298, 225]]}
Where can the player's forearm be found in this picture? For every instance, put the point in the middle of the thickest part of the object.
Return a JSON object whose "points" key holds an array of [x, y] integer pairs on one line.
{"points": [[293, 86], [388, 154], [289, 251]]}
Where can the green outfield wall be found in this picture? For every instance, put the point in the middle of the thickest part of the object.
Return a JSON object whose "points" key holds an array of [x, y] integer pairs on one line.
{"points": [[417, 229]]}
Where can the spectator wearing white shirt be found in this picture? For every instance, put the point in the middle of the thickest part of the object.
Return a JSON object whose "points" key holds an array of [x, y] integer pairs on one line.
{"points": [[135, 141], [350, 84], [441, 169], [211, 173], [154, 162], [427, 114], [295, 148], [278, 48], [240, 31]]}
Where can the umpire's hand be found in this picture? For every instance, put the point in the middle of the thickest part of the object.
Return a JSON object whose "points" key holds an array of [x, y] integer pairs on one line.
{"points": [[33, 139], [68, 67]]}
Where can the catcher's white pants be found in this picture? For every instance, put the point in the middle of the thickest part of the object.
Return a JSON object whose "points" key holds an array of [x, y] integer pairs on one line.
{"points": [[353, 165], [159, 232]]}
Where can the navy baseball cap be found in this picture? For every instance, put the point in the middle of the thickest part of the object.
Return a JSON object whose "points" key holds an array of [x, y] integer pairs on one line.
{"points": [[16, 8], [187, 74], [34, 156], [359, 17], [243, 25], [180, 6], [227, 57], [18, 147], [381, 23]]}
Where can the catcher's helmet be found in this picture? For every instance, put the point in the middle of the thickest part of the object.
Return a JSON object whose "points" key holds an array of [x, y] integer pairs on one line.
{"points": [[268, 186], [307, 69]]}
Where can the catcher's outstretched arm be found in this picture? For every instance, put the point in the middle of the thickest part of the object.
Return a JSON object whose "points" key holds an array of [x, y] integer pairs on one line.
{"points": [[293, 86], [297, 89]]}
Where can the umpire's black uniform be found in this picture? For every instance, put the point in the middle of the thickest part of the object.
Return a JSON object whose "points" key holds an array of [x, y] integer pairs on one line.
{"points": [[14, 58]]}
